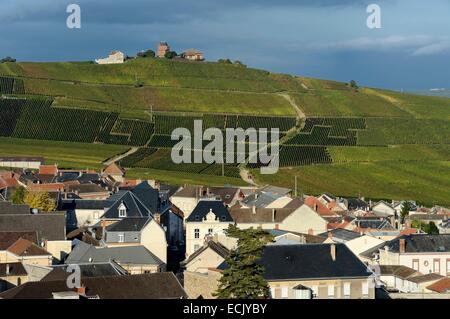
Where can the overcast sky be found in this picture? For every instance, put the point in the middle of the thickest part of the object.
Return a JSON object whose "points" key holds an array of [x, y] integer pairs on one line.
{"points": [[325, 39]]}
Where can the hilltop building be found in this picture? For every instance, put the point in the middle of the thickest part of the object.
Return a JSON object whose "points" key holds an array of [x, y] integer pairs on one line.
{"points": [[115, 57], [193, 55], [163, 48]]}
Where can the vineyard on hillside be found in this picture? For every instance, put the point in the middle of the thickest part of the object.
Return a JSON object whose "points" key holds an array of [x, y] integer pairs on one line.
{"points": [[11, 86], [160, 159], [329, 131]]}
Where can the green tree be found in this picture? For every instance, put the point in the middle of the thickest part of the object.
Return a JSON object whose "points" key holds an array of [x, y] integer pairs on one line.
{"points": [[353, 84], [40, 200], [406, 207], [431, 229], [170, 55], [18, 197], [225, 61], [244, 277], [146, 54], [7, 59]]}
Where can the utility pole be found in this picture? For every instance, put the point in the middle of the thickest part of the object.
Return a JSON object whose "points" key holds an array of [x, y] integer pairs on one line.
{"points": [[295, 185]]}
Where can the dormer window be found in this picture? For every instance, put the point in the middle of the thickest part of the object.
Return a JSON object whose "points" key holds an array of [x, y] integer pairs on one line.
{"points": [[122, 211]]}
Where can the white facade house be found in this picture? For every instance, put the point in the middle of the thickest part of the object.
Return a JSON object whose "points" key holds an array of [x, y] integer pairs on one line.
{"points": [[115, 57], [421, 252], [209, 218]]}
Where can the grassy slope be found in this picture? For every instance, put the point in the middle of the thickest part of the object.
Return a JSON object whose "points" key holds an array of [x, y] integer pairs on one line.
{"points": [[69, 155], [399, 171], [179, 178], [427, 182]]}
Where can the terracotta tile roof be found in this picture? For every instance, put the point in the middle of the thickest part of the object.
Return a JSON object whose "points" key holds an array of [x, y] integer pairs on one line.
{"points": [[442, 286], [316, 205], [51, 187], [48, 170], [409, 231], [114, 169], [337, 225], [7, 238], [23, 247]]}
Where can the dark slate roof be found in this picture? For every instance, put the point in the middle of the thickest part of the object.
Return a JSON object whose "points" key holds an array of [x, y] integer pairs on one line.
{"points": [[50, 226], [15, 269], [341, 234], [163, 285], [86, 188], [311, 261], [356, 203], [67, 176], [9, 208], [171, 189], [420, 243], [131, 224], [88, 177], [84, 253], [135, 208], [205, 206], [148, 196], [102, 269], [373, 224], [71, 204]]}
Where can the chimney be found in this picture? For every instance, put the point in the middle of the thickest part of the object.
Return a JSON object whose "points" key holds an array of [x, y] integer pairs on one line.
{"points": [[274, 214], [7, 269], [402, 246], [103, 223], [330, 235], [333, 251], [254, 210], [81, 290], [277, 226], [316, 207], [310, 231], [157, 217]]}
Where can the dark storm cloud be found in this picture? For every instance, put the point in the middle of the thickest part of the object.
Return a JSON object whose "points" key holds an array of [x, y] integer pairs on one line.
{"points": [[327, 39], [147, 11]]}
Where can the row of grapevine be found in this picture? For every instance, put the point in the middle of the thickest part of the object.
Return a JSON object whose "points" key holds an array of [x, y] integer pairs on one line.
{"points": [[290, 156], [11, 86], [282, 123], [165, 124], [59, 124], [161, 160], [10, 110], [133, 159], [329, 131]]}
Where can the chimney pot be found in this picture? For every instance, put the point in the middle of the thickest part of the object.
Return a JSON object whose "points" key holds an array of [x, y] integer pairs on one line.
{"points": [[402, 243], [7, 269], [81, 290], [254, 209], [273, 215]]}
